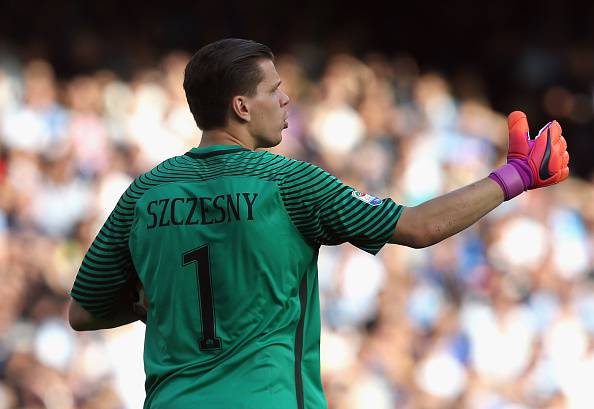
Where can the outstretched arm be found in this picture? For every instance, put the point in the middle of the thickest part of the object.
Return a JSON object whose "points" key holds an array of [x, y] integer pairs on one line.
{"points": [[442, 217], [531, 164]]}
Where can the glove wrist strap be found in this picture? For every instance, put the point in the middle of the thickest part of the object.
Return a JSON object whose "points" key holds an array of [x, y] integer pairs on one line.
{"points": [[511, 179]]}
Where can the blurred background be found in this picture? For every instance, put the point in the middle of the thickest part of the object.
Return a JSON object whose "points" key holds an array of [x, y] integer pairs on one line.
{"points": [[401, 100]]}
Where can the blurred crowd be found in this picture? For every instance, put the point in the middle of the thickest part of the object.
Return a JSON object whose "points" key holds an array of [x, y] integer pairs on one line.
{"points": [[500, 316]]}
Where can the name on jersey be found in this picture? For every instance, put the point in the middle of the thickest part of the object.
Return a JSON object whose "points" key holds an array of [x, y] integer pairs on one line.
{"points": [[177, 211]]}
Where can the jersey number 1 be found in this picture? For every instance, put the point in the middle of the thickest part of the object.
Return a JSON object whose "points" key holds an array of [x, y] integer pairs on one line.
{"points": [[201, 257]]}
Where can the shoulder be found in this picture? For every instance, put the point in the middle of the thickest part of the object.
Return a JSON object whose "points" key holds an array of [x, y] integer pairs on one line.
{"points": [[270, 166], [294, 167], [161, 173]]}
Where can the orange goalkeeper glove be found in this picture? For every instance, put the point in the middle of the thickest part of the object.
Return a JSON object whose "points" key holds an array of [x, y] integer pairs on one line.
{"points": [[532, 163]]}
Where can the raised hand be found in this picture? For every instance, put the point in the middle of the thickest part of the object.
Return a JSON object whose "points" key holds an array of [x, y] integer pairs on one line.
{"points": [[532, 163]]}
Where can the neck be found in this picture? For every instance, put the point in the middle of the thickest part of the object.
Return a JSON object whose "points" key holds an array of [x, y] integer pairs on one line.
{"points": [[225, 137]]}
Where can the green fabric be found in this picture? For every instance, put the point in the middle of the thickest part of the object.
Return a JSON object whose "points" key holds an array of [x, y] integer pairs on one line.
{"points": [[225, 242]]}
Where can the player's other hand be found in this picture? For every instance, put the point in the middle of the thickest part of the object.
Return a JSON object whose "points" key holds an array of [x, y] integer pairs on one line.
{"points": [[532, 163]]}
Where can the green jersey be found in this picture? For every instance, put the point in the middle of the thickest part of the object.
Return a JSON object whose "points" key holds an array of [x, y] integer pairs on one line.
{"points": [[225, 241]]}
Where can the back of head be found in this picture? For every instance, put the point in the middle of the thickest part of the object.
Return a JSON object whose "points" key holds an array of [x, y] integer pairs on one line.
{"points": [[218, 72]]}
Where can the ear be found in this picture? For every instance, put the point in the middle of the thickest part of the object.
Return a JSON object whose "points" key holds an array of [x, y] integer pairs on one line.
{"points": [[240, 106]]}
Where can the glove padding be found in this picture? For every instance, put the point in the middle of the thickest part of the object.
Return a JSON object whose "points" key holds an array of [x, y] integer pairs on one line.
{"points": [[532, 163]]}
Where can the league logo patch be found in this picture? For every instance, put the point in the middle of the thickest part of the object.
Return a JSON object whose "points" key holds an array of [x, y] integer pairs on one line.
{"points": [[367, 198]]}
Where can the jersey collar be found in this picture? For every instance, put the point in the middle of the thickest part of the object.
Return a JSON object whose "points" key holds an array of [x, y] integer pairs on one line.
{"points": [[214, 150]]}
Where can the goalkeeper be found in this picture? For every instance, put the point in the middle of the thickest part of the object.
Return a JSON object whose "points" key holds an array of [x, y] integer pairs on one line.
{"points": [[225, 240]]}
